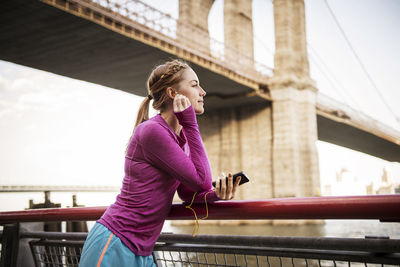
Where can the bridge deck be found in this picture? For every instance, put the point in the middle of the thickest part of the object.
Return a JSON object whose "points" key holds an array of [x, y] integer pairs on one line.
{"points": [[38, 35]]}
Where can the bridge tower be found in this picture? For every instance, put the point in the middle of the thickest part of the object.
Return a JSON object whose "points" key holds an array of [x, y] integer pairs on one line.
{"points": [[238, 27], [295, 158], [195, 14], [274, 143]]}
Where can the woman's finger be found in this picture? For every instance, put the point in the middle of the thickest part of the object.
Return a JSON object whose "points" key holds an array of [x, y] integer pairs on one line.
{"points": [[178, 100], [180, 105], [236, 185], [223, 187], [183, 101], [176, 106], [230, 186], [218, 188], [188, 104]]}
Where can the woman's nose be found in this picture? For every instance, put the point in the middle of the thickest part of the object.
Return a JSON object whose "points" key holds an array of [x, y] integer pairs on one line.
{"points": [[203, 93]]}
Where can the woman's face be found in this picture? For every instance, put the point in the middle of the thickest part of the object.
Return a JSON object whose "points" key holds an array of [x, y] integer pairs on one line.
{"points": [[190, 87]]}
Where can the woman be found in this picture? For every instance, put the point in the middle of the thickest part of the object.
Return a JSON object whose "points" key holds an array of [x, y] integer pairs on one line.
{"points": [[165, 155]]}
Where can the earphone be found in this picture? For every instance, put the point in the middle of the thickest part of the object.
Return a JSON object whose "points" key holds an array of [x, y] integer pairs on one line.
{"points": [[173, 92]]}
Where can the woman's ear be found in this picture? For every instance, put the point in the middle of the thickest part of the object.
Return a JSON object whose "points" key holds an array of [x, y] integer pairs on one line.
{"points": [[171, 92]]}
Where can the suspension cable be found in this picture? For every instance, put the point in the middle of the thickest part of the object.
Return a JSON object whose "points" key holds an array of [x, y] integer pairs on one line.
{"points": [[361, 64], [344, 93]]}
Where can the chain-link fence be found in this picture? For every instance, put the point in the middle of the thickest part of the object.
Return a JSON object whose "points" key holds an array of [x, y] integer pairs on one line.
{"points": [[63, 249], [56, 253], [223, 259]]}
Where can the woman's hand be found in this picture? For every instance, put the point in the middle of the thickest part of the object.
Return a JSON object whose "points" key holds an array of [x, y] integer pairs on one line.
{"points": [[222, 191], [181, 103]]}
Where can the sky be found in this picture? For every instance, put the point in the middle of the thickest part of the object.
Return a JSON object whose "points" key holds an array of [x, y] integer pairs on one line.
{"points": [[59, 131]]}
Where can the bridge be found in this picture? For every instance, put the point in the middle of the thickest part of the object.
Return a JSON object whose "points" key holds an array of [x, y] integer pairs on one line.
{"points": [[55, 188], [259, 119]]}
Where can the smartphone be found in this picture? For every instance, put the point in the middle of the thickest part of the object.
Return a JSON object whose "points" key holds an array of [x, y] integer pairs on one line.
{"points": [[244, 179]]}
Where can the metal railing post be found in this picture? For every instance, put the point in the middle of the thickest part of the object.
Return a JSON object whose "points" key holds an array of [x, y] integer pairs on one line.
{"points": [[9, 245]]}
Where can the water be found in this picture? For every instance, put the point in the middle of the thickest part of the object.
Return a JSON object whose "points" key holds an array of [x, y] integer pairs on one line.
{"points": [[331, 228]]}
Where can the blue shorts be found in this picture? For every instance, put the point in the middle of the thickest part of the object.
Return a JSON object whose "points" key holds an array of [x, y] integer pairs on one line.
{"points": [[103, 248]]}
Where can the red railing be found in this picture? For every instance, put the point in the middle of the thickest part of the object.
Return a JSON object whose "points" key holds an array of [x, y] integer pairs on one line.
{"points": [[379, 207]]}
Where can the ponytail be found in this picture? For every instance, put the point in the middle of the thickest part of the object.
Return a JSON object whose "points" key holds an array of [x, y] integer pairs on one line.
{"points": [[143, 113]]}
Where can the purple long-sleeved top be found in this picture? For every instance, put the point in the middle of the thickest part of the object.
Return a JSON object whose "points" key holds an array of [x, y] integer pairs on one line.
{"points": [[157, 163]]}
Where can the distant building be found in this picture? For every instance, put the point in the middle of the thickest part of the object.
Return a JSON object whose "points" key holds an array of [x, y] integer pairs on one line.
{"points": [[386, 186], [397, 190], [370, 189], [346, 184]]}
